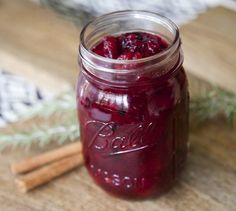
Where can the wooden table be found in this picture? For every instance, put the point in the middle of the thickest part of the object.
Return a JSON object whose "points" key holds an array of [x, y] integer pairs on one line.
{"points": [[209, 180]]}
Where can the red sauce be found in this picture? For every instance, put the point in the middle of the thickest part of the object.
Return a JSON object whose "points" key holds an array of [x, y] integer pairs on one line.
{"points": [[130, 46], [134, 138]]}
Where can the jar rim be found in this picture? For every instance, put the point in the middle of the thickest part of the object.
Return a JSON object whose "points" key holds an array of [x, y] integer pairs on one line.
{"points": [[173, 44]]}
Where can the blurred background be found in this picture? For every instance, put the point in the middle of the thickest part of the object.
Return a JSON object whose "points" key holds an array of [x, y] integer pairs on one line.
{"points": [[39, 41]]}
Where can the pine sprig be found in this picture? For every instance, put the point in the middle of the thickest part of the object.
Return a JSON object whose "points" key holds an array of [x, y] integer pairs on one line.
{"points": [[205, 107], [41, 136], [214, 103], [65, 104], [209, 106]]}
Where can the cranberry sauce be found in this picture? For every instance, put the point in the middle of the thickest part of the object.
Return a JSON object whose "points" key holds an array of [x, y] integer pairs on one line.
{"points": [[134, 138], [130, 46]]}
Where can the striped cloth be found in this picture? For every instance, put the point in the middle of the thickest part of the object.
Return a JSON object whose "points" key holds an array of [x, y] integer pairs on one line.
{"points": [[16, 95]]}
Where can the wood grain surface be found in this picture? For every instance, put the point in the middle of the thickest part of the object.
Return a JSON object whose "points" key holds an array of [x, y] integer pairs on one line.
{"points": [[207, 183], [38, 44], [40, 41], [209, 45]]}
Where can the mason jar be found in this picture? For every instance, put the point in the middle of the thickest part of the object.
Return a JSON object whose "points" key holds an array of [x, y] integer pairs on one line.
{"points": [[133, 114]]}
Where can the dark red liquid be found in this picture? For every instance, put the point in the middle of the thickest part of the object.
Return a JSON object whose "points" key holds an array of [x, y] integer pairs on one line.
{"points": [[134, 138]]}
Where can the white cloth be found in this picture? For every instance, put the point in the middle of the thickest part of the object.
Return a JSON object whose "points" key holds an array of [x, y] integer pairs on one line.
{"points": [[16, 96], [180, 11]]}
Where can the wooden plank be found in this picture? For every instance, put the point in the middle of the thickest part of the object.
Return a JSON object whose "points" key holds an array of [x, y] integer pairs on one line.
{"points": [[48, 56], [209, 45], [43, 47], [38, 44], [207, 182]]}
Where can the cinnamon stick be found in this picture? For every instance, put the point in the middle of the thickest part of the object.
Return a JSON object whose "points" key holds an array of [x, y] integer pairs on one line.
{"points": [[47, 173], [46, 158]]}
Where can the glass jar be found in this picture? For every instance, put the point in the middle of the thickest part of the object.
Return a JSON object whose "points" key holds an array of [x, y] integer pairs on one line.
{"points": [[133, 114]]}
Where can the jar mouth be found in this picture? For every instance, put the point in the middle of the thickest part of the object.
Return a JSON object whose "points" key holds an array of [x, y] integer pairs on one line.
{"points": [[141, 14]]}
